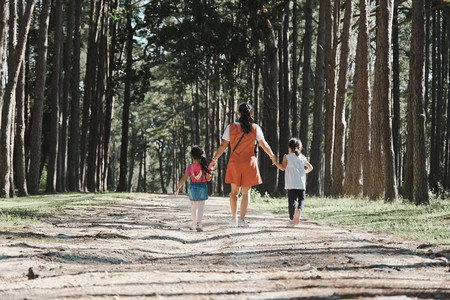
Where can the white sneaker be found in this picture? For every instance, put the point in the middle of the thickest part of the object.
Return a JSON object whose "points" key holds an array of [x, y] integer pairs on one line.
{"points": [[199, 226], [233, 222], [290, 224], [242, 223], [191, 226]]}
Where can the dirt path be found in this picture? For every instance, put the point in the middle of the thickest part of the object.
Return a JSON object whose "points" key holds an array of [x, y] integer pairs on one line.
{"points": [[142, 247]]}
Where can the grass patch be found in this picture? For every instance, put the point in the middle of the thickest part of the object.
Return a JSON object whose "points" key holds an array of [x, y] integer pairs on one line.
{"points": [[25, 211], [425, 223]]}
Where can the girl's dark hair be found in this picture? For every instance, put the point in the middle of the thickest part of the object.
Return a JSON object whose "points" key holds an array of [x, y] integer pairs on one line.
{"points": [[246, 119], [296, 146], [198, 152]]}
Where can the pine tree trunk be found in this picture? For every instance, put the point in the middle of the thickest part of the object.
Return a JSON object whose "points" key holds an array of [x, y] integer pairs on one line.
{"points": [[396, 122], [416, 104], [38, 108], [74, 149], [330, 94], [6, 129], [19, 147], [307, 75], [270, 115], [52, 165], [295, 70], [383, 180], [122, 186], [315, 178], [285, 100], [341, 102], [357, 166]]}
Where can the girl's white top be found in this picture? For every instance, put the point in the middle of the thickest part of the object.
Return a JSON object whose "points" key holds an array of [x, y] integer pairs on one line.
{"points": [[295, 175]]}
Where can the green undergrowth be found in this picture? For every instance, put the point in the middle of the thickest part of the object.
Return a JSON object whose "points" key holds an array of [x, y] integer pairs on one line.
{"points": [[426, 223], [25, 211]]}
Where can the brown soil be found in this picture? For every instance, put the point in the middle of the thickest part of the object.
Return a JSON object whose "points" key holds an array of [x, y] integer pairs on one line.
{"points": [[142, 248]]}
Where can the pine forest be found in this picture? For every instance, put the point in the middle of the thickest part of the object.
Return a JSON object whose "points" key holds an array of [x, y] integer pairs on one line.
{"points": [[109, 95]]}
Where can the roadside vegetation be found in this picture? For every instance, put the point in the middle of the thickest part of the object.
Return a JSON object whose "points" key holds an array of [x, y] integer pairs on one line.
{"points": [[425, 223]]}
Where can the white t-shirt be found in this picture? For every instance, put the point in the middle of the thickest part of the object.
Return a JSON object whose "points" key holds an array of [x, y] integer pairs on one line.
{"points": [[226, 133], [295, 175]]}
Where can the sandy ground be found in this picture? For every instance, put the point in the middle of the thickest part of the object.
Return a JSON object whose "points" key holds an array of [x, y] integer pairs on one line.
{"points": [[142, 248]]}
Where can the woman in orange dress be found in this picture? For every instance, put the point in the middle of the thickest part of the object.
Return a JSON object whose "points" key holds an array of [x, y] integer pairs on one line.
{"points": [[242, 170]]}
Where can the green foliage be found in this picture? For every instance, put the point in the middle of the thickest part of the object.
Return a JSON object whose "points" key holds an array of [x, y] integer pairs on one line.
{"points": [[24, 211], [427, 223]]}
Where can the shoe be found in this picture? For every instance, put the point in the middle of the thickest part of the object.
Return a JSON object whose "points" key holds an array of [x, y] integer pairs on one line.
{"points": [[297, 215], [199, 227], [242, 223], [290, 224], [233, 222], [192, 226]]}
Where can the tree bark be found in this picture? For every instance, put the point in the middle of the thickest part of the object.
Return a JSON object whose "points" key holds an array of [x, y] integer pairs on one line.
{"points": [[286, 89], [74, 135], [357, 167], [330, 94], [19, 147], [295, 70], [315, 179], [382, 144], [38, 108], [307, 75], [270, 115], [122, 186], [52, 165], [6, 139], [341, 102], [416, 109]]}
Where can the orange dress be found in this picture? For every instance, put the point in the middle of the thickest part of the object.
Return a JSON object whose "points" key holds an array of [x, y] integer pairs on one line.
{"points": [[242, 168]]}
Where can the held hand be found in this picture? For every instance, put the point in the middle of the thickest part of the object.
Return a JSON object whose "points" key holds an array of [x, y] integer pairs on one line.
{"points": [[273, 158], [212, 164], [176, 192]]}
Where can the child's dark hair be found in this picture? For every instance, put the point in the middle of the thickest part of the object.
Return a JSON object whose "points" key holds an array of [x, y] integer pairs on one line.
{"points": [[296, 146], [198, 152], [246, 119]]}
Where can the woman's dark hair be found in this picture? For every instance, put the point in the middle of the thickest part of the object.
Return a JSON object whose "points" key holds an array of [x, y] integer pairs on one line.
{"points": [[198, 152], [296, 146], [246, 119]]}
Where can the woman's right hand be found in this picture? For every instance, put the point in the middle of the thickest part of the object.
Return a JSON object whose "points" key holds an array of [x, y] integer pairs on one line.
{"points": [[176, 192], [211, 165]]}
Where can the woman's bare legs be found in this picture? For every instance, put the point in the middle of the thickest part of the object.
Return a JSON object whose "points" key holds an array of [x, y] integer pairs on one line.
{"points": [[245, 200], [233, 199]]}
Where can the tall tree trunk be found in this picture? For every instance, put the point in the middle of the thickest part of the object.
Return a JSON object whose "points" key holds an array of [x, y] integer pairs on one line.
{"points": [[270, 116], [357, 167], [65, 102], [295, 70], [52, 165], [307, 75], [416, 108], [19, 147], [285, 101], [341, 103], [396, 122], [74, 149], [315, 179], [382, 144], [89, 83], [330, 92], [38, 108], [110, 99], [6, 140], [3, 28], [122, 186]]}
